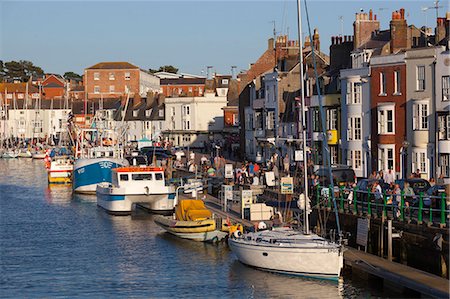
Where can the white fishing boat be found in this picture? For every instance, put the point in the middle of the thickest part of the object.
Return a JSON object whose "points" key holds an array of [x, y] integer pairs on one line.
{"points": [[287, 251], [136, 185], [59, 170]]}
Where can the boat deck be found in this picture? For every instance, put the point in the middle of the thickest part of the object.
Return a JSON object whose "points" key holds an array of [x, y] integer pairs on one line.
{"points": [[214, 205], [417, 280]]}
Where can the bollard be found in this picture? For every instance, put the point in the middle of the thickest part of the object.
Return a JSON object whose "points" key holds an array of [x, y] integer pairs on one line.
{"points": [[330, 196], [419, 217], [431, 213], [402, 206], [442, 224], [355, 207], [341, 193], [369, 209], [318, 196]]}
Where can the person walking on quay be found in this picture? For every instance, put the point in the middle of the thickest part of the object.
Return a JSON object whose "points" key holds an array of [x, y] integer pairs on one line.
{"points": [[286, 164], [409, 194], [440, 179], [396, 200], [389, 177]]}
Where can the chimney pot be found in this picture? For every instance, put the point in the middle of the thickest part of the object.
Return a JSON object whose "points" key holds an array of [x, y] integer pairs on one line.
{"points": [[402, 13], [375, 17], [370, 14]]}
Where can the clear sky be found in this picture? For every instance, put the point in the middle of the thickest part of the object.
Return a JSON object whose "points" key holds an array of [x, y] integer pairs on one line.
{"points": [[65, 36]]}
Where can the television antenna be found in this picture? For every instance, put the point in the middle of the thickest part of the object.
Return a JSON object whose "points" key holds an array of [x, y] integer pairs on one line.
{"points": [[436, 7], [341, 18]]}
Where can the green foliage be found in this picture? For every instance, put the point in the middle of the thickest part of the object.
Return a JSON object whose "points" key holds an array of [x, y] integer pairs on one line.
{"points": [[71, 75], [165, 68], [22, 69]]}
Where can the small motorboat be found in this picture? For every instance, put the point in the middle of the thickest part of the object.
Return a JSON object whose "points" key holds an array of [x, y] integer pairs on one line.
{"points": [[59, 170], [25, 154], [10, 154], [136, 185], [39, 155], [195, 222]]}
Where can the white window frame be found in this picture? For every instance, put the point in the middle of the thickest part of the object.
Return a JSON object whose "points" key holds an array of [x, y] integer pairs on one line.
{"points": [[354, 128], [332, 119], [333, 155], [420, 115], [112, 76], [148, 112], [161, 113], [420, 160], [127, 76], [97, 89], [420, 78], [96, 76], [397, 83], [445, 88], [382, 84], [270, 120], [135, 113], [444, 164], [383, 159], [111, 88], [382, 119]]}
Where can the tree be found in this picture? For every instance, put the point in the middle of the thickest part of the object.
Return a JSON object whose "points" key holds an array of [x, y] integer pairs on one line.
{"points": [[22, 70], [71, 75], [165, 68], [2, 71]]}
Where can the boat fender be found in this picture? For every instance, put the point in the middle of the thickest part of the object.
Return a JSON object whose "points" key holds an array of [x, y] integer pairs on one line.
{"points": [[237, 234], [147, 190]]}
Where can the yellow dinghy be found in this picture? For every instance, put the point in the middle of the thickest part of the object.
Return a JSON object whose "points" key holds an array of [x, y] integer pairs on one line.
{"points": [[195, 222]]}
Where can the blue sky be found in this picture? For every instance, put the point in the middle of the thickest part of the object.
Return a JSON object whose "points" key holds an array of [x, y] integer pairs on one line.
{"points": [[65, 36]]}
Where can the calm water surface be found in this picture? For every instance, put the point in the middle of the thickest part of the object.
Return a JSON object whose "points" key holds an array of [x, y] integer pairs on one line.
{"points": [[53, 244]]}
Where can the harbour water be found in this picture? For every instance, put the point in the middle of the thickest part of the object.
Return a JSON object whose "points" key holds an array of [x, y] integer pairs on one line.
{"points": [[53, 244]]}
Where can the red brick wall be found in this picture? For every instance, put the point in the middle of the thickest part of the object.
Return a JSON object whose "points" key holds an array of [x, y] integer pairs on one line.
{"points": [[170, 90], [228, 117], [119, 82], [400, 110]]}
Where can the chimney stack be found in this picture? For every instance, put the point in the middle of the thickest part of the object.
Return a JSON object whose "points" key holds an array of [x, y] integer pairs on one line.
{"points": [[399, 31], [233, 72], [363, 27], [270, 44]]}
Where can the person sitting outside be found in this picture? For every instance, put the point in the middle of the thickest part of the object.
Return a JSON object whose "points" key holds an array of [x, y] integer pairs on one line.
{"points": [[389, 177], [396, 200], [211, 171], [408, 191]]}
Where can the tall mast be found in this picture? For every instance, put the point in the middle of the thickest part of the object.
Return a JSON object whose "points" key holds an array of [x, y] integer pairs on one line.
{"points": [[302, 123]]}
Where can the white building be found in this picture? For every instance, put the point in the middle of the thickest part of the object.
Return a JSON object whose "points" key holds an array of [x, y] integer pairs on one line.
{"points": [[191, 121]]}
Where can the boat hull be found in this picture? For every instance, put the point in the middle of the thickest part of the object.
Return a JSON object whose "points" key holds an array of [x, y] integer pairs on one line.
{"points": [[39, 156], [59, 177], [120, 203], [26, 154], [314, 262], [88, 173], [200, 231]]}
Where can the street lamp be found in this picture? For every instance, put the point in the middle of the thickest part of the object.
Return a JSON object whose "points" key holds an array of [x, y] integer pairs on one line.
{"points": [[404, 153]]}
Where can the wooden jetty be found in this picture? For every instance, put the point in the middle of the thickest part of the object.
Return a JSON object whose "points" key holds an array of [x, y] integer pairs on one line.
{"points": [[411, 278]]}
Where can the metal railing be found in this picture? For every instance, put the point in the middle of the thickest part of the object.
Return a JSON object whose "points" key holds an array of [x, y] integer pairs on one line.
{"points": [[433, 210]]}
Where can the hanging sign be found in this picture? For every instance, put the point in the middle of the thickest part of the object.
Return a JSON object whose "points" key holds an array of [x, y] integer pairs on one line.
{"points": [[287, 185]]}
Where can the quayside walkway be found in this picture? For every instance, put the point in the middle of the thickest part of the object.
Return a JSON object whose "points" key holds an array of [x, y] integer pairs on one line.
{"points": [[411, 278]]}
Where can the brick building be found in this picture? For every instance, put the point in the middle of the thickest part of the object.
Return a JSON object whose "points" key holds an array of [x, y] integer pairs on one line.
{"points": [[388, 106], [116, 79], [53, 86]]}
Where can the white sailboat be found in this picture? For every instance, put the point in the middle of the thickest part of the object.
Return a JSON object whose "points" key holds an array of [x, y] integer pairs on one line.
{"points": [[285, 250]]}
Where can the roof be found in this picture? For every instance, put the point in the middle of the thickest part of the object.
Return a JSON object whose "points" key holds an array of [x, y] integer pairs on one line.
{"points": [[112, 66], [17, 87], [182, 81], [53, 85], [377, 41]]}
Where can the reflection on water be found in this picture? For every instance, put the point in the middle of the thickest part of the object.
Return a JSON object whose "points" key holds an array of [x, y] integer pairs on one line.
{"points": [[55, 244], [264, 284]]}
